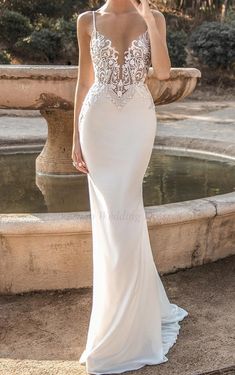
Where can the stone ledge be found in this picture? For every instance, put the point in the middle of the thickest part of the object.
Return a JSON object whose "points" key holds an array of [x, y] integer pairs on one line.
{"points": [[217, 149], [63, 72], [80, 222], [54, 251]]}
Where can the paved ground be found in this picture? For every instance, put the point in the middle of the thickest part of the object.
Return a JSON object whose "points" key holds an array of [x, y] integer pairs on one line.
{"points": [[21, 127], [44, 333], [218, 124], [187, 118]]}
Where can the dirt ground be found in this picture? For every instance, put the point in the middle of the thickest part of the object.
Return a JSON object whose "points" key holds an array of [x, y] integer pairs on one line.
{"points": [[44, 333]]}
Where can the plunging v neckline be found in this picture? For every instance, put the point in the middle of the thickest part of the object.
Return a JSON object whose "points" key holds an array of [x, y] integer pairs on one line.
{"points": [[115, 51]]}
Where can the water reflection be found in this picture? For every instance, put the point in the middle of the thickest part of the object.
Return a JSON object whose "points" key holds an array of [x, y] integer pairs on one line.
{"points": [[173, 178], [169, 178]]}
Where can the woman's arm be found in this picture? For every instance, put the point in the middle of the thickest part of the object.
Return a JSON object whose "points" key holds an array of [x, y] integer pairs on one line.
{"points": [[84, 81], [156, 24], [85, 69], [159, 52]]}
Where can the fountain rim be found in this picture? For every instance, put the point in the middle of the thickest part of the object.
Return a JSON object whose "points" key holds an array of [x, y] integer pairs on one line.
{"points": [[76, 222], [156, 215], [62, 72]]}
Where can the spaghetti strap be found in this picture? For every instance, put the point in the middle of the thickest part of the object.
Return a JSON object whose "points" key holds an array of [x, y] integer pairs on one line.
{"points": [[94, 23]]}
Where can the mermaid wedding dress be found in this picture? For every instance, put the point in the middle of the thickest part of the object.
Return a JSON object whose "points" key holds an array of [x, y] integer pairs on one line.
{"points": [[132, 322]]}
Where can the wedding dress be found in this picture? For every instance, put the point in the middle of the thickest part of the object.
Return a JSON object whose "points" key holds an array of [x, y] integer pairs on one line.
{"points": [[132, 322]]}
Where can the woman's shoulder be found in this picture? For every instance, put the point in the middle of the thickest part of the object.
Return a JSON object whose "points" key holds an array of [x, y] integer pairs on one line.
{"points": [[159, 16], [84, 20], [85, 16]]}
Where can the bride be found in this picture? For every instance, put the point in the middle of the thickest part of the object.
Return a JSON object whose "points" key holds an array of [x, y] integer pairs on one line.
{"points": [[132, 322]]}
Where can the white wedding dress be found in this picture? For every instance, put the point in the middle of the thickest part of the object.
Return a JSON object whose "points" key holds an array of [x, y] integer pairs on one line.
{"points": [[132, 322]]}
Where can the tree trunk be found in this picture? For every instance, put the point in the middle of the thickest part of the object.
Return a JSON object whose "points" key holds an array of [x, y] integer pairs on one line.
{"points": [[224, 10]]}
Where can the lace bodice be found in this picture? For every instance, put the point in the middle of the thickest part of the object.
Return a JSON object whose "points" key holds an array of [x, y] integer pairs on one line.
{"points": [[119, 81]]}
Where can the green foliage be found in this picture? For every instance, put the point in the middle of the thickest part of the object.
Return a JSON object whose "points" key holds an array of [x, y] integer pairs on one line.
{"points": [[52, 9], [230, 17], [68, 32], [13, 26], [43, 45], [67, 29], [214, 44], [45, 31], [5, 58], [177, 41]]}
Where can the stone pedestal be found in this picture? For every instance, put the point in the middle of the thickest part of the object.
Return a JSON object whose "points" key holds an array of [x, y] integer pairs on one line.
{"points": [[55, 157]]}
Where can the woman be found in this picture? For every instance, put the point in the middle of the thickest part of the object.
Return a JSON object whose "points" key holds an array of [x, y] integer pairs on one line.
{"points": [[132, 322]]}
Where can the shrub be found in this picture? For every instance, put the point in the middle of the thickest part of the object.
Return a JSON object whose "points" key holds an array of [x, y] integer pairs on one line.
{"points": [[5, 58], [44, 22], [43, 45], [230, 17], [13, 26], [52, 8], [66, 32], [214, 44], [177, 41], [67, 29]]}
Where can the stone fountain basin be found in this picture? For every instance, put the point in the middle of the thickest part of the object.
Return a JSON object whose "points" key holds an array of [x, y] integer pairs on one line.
{"points": [[51, 90], [54, 251], [53, 86]]}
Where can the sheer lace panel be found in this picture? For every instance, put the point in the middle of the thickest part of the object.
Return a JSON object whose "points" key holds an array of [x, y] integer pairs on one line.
{"points": [[120, 78]]}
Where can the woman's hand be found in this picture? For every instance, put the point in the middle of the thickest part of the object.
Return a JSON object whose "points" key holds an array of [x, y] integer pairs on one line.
{"points": [[77, 157], [143, 8]]}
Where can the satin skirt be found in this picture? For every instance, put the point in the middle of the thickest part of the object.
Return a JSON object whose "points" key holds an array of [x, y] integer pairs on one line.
{"points": [[132, 322]]}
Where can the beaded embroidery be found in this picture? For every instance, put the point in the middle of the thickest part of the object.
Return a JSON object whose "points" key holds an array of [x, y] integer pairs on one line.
{"points": [[119, 82]]}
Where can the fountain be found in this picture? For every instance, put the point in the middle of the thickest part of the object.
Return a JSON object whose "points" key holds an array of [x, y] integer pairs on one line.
{"points": [[52, 90], [43, 251]]}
